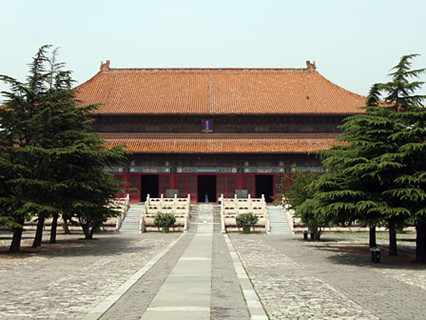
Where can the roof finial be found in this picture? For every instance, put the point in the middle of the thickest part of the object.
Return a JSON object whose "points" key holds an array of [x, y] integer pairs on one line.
{"points": [[105, 66], [311, 65]]}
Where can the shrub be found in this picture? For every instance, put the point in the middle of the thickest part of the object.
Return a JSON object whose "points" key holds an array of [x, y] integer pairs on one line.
{"points": [[164, 220], [246, 220]]}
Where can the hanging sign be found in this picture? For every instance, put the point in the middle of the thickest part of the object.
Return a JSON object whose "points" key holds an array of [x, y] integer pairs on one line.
{"points": [[207, 126]]}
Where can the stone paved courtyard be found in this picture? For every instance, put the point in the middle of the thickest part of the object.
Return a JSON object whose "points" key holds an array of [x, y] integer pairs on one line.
{"points": [[328, 280], [66, 282], [294, 279]]}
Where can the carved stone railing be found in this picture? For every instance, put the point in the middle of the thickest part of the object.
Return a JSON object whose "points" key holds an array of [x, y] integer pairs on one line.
{"points": [[230, 208], [179, 207]]}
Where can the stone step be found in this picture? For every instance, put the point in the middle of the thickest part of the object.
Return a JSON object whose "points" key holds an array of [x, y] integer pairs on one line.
{"points": [[131, 221], [278, 220]]}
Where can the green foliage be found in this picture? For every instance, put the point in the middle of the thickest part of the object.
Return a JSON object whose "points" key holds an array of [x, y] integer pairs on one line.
{"points": [[50, 162], [378, 177], [246, 220], [297, 190], [401, 91], [164, 220]]}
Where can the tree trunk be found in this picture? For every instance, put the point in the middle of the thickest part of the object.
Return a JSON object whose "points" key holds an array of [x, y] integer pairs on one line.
{"points": [[317, 232], [53, 228], [91, 232], [421, 241], [88, 234], [65, 225], [39, 232], [393, 250], [17, 235], [372, 241]]}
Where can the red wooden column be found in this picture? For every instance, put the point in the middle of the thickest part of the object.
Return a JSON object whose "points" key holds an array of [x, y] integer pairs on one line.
{"points": [[240, 181], [126, 177], [135, 182], [173, 181]]}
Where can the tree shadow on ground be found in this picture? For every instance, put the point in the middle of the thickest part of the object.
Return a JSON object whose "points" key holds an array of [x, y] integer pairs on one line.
{"points": [[103, 244], [359, 254]]}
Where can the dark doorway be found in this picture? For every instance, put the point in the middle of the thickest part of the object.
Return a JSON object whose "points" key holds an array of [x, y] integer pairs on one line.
{"points": [[207, 186], [149, 185], [265, 186]]}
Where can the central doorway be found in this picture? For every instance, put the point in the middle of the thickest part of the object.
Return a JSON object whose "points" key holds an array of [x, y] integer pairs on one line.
{"points": [[265, 186], [149, 185], [206, 187]]}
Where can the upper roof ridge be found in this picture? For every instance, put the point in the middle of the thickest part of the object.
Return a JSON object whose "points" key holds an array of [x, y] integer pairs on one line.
{"points": [[310, 67]]}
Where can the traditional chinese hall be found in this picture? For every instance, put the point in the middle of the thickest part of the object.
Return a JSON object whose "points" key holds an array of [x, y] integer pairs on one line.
{"points": [[207, 132]]}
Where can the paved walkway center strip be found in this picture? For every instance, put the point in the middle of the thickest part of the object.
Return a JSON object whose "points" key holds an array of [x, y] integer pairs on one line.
{"points": [[105, 304], [186, 292], [253, 303]]}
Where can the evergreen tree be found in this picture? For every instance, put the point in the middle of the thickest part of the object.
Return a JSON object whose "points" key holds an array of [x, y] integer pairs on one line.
{"points": [[20, 121], [43, 135], [86, 189], [372, 174], [409, 191], [376, 158], [295, 191]]}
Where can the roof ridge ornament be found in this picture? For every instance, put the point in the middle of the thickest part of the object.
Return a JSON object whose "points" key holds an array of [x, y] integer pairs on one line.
{"points": [[105, 66], [311, 65]]}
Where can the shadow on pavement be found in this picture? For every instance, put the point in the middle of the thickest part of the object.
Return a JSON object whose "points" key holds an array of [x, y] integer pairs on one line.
{"points": [[103, 244], [360, 255]]}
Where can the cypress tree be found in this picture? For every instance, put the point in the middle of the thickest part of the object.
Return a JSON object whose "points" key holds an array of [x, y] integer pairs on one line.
{"points": [[409, 190], [358, 179], [382, 164], [44, 135], [21, 160]]}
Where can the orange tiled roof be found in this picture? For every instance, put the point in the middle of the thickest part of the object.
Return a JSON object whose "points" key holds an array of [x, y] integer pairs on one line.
{"points": [[221, 144], [216, 91]]}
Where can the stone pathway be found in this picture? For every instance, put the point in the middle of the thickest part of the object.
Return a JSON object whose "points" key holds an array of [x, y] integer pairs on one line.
{"points": [[294, 279], [313, 280], [185, 294], [196, 280], [70, 280]]}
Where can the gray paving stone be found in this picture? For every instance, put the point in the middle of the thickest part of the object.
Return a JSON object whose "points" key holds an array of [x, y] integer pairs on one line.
{"points": [[226, 301], [67, 283], [309, 280], [294, 279], [136, 300]]}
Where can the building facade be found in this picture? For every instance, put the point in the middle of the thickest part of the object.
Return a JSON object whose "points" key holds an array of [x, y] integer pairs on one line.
{"points": [[209, 132]]}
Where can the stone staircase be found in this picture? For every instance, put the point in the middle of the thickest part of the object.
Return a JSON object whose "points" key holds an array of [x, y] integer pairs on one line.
{"points": [[277, 220], [131, 222]]}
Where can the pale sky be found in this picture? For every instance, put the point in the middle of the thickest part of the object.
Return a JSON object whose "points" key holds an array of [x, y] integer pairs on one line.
{"points": [[354, 42]]}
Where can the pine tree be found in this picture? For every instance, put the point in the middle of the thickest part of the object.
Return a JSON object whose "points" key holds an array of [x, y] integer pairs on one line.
{"points": [[354, 191], [86, 189], [20, 121], [409, 191], [382, 144], [44, 135]]}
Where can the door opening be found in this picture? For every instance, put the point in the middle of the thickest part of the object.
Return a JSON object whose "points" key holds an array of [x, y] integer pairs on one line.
{"points": [[265, 186], [207, 188], [149, 185]]}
